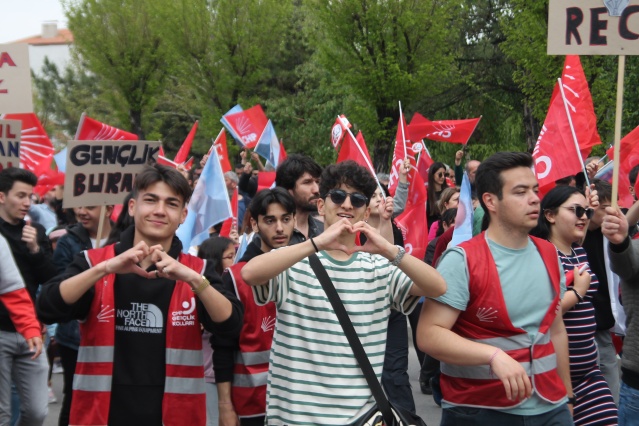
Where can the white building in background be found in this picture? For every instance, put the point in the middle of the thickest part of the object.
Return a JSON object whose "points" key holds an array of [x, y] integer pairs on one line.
{"points": [[54, 44]]}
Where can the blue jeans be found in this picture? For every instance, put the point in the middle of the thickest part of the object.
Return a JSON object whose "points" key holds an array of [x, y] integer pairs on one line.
{"points": [[470, 416], [628, 405]]}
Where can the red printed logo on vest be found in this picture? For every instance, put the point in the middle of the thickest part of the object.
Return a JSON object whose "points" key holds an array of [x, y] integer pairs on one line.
{"points": [[186, 317]]}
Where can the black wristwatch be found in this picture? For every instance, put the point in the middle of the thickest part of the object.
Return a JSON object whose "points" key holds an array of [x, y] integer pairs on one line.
{"points": [[572, 400]]}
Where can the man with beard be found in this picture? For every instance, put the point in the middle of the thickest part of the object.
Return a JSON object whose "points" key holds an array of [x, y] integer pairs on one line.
{"points": [[299, 175], [243, 393]]}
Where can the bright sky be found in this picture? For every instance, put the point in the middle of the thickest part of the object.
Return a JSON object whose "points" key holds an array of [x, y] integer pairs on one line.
{"points": [[24, 18]]}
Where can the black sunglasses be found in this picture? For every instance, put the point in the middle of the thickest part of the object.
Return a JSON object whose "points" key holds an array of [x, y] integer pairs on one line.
{"points": [[338, 196], [579, 211]]}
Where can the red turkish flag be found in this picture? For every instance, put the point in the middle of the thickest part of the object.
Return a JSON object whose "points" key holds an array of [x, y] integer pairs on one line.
{"points": [[36, 149], [222, 152], [93, 130], [355, 150], [248, 125], [555, 154], [183, 153], [628, 158], [403, 149], [339, 129], [579, 100], [265, 180], [412, 221], [454, 131]]}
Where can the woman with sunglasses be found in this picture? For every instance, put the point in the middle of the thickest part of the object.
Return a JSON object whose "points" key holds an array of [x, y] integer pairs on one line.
{"points": [[563, 220], [436, 185]]}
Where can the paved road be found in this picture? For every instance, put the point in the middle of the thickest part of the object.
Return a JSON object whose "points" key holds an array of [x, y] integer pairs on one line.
{"points": [[426, 408]]}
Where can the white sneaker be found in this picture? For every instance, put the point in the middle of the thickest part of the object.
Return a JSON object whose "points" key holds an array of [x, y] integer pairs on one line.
{"points": [[52, 398], [57, 368]]}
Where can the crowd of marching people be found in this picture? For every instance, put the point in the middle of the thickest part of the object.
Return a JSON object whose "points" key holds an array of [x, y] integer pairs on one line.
{"points": [[531, 321]]}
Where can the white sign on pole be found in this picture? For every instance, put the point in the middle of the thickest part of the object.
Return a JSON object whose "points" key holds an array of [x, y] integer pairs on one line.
{"points": [[15, 79], [10, 143]]}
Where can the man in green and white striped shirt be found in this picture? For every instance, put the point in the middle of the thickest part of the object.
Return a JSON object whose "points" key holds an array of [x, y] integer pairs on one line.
{"points": [[314, 378]]}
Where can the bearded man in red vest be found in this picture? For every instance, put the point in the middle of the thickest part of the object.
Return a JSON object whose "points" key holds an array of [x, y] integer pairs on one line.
{"points": [[503, 348], [142, 303]]}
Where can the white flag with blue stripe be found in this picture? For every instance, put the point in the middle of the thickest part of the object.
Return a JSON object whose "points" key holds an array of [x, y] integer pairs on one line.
{"points": [[268, 146], [464, 219], [209, 204]]}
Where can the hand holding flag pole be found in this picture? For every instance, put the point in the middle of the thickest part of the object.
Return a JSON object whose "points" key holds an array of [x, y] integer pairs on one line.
{"points": [[572, 130]]}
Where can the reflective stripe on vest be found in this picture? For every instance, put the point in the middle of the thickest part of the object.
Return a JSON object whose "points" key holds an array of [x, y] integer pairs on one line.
{"points": [[192, 358], [253, 358], [183, 385], [250, 380], [95, 354], [483, 372], [91, 383]]}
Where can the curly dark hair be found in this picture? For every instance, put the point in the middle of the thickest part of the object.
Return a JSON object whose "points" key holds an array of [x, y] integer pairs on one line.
{"points": [[349, 173]]}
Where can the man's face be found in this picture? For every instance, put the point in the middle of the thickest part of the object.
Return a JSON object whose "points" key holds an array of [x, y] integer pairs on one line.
{"points": [[14, 205], [335, 212], [306, 192], [275, 228], [157, 212], [598, 216], [472, 170], [518, 209], [230, 184], [89, 218]]}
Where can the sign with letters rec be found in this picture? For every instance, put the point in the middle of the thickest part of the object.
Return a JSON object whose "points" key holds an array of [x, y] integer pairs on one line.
{"points": [[10, 143], [15, 79], [101, 173], [593, 27]]}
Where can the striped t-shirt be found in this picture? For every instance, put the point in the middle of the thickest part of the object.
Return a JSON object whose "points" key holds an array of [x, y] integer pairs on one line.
{"points": [[314, 378]]}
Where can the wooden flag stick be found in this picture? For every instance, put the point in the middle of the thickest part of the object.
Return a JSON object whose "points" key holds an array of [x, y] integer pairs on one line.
{"points": [[618, 112], [98, 242]]}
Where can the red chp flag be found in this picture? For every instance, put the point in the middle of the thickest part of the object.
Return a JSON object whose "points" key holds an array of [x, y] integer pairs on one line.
{"points": [[185, 149], [93, 130], [231, 223], [454, 131], [403, 149], [248, 125], [222, 152], [424, 162], [36, 149], [355, 150], [579, 101], [339, 129], [555, 154], [412, 221], [628, 158], [282, 153]]}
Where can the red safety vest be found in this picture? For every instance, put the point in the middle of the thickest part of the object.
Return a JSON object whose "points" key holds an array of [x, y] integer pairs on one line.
{"points": [[486, 320], [184, 401], [251, 362]]}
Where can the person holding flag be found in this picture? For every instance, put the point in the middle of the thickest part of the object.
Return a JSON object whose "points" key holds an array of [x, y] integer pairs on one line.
{"points": [[142, 304]]}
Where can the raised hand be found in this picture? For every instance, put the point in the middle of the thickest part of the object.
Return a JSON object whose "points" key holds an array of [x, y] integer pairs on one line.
{"points": [[330, 238], [614, 226], [375, 243], [30, 236], [168, 267], [386, 209], [127, 262]]}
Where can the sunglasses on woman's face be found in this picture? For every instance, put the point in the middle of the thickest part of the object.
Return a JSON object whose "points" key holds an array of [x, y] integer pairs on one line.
{"points": [[579, 211], [338, 196]]}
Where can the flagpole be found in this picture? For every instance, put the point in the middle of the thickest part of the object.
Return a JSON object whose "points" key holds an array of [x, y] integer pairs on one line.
{"points": [[615, 167], [364, 156], [77, 132], [572, 130], [98, 242], [401, 123]]}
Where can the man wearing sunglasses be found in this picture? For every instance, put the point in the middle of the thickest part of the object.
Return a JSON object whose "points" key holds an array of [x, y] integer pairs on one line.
{"points": [[314, 377], [503, 348]]}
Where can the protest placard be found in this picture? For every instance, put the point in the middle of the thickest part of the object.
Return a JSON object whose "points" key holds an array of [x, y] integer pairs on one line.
{"points": [[588, 27], [15, 79], [100, 173], [10, 143]]}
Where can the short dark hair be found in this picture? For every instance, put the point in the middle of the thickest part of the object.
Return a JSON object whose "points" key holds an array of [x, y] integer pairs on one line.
{"points": [[212, 250], [259, 204], [448, 217], [294, 168], [488, 177], [604, 189], [551, 202], [349, 173], [10, 175], [152, 174], [632, 176]]}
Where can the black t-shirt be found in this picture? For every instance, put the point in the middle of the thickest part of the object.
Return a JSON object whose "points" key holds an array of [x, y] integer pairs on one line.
{"points": [[594, 246]]}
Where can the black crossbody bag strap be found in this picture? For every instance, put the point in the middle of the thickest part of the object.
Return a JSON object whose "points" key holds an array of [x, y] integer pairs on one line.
{"points": [[360, 355]]}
